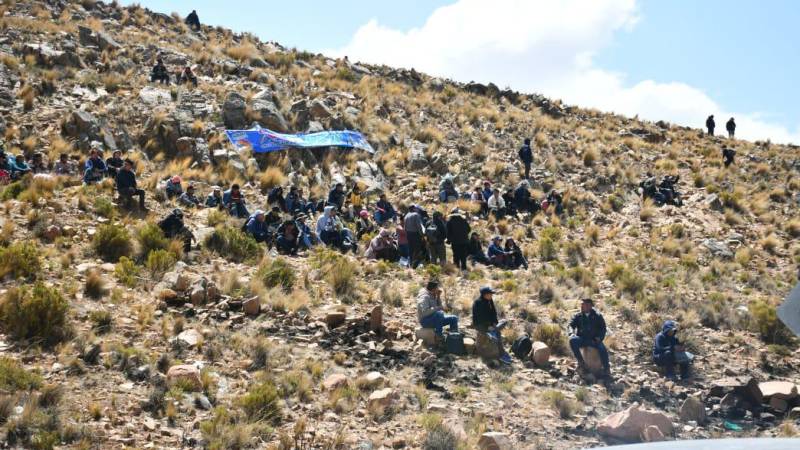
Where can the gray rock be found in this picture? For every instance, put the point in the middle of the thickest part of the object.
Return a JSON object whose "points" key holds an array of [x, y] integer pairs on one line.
{"points": [[319, 110], [233, 111], [105, 41], [202, 402], [718, 248], [418, 160], [714, 202], [314, 127], [268, 115], [153, 96]]}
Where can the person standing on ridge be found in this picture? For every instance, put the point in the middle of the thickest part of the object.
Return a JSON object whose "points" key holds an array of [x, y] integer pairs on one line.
{"points": [[526, 155], [731, 127], [193, 21], [710, 125]]}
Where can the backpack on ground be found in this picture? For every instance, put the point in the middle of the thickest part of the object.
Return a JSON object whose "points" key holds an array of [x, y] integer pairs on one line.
{"points": [[522, 346], [454, 343]]}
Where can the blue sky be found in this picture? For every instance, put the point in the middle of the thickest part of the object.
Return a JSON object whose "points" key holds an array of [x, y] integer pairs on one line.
{"points": [[677, 60]]}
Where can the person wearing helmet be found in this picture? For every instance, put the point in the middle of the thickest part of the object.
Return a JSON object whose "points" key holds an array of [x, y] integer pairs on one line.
{"points": [[173, 187], [364, 224], [174, 228]]}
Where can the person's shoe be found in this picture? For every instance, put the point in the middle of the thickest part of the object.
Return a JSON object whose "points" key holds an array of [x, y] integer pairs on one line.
{"points": [[505, 359]]}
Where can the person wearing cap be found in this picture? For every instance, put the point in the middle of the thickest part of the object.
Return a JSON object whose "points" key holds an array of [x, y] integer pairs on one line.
{"points": [[458, 230], [233, 201], [287, 240], [668, 351], [430, 312], [526, 156], [189, 199], [173, 187], [415, 234], [64, 166], [436, 234], [484, 319], [364, 224], [126, 184], [256, 226], [384, 211], [173, 227], [214, 199], [588, 329], [497, 255], [94, 168], [382, 247], [497, 205], [336, 196], [114, 163]]}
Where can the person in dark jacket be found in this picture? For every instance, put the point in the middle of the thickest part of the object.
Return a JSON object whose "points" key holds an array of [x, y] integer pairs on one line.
{"points": [[384, 211], [114, 163], [187, 76], [415, 233], [728, 154], [522, 198], [731, 127], [193, 21], [94, 168], [256, 226], [516, 258], [458, 230], [484, 319], [159, 73], [126, 184], [214, 199], [189, 199], [668, 351], [526, 156], [497, 255], [275, 197], [37, 164], [234, 202], [436, 232], [588, 329], [710, 125], [475, 248], [336, 197], [287, 233], [173, 227]]}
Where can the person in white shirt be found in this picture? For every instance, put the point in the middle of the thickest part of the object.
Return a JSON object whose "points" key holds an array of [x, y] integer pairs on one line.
{"points": [[497, 205]]}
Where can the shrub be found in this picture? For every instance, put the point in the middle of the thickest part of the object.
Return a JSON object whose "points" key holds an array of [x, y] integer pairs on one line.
{"points": [[440, 438], [233, 244], [95, 286], [126, 271], [766, 322], [216, 217], [103, 207], [160, 261], [557, 400], [551, 334], [590, 156], [12, 191], [547, 249], [102, 321], [20, 259], [338, 269], [547, 293], [271, 177], [112, 242], [14, 377], [262, 403], [771, 243], [150, 238], [277, 272], [38, 313]]}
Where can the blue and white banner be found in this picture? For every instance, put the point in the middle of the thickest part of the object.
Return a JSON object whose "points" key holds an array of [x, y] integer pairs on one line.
{"points": [[262, 140]]}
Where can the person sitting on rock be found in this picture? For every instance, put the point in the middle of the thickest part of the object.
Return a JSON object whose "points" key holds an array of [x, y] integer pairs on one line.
{"points": [[478, 199], [307, 238], [447, 189], [18, 168], [126, 185], [214, 199], [588, 329], [331, 231], [497, 205], [287, 241], [159, 73], [382, 247], [114, 163], [355, 202], [497, 255], [668, 351], [508, 198], [295, 203], [516, 258], [173, 227], [384, 211], [522, 197], [728, 154], [256, 226], [173, 187], [64, 166], [430, 312], [364, 224], [233, 201], [193, 21], [189, 199], [475, 249], [484, 319], [554, 201], [336, 196], [37, 164], [187, 76], [275, 197], [94, 168]]}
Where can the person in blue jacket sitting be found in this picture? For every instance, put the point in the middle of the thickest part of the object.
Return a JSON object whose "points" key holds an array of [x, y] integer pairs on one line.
{"points": [[256, 226], [94, 168], [497, 254], [668, 351], [233, 201], [18, 168], [384, 211]]}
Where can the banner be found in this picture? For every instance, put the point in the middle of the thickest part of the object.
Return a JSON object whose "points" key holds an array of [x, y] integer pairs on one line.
{"points": [[262, 140]]}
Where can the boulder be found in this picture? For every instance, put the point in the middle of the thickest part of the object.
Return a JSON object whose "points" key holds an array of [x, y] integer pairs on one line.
{"points": [[212, 292], [153, 96], [187, 376], [652, 434], [592, 359], [335, 381], [417, 159], [629, 425], [486, 347], [267, 114], [190, 338], [184, 145], [319, 110], [714, 202], [784, 390], [540, 353], [198, 295], [718, 248], [105, 41], [373, 380], [692, 410], [493, 440], [426, 335], [778, 404], [334, 319], [745, 387], [252, 306], [382, 398], [233, 111], [469, 345], [169, 296], [376, 319], [795, 413]]}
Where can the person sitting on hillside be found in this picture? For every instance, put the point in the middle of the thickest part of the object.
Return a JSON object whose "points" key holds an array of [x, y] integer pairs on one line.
{"points": [[447, 189], [189, 199], [710, 125], [18, 168], [64, 166], [173, 227], [384, 211], [336, 196], [730, 126], [516, 259], [355, 202], [294, 201], [287, 241], [526, 156], [497, 255], [193, 21], [233, 201], [187, 76], [668, 351], [436, 236], [114, 163], [275, 197], [5, 167], [306, 237], [256, 226], [159, 73], [667, 190], [382, 247], [126, 185], [477, 198], [273, 218], [487, 190], [522, 198], [649, 187], [430, 312], [475, 248], [173, 187], [497, 205], [214, 199], [484, 319], [554, 201], [364, 224], [508, 198], [331, 231], [94, 168], [728, 154], [588, 329], [38, 164]]}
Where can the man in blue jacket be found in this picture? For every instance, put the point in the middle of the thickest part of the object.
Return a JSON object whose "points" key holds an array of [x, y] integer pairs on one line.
{"points": [[588, 330], [668, 351], [94, 167], [257, 227]]}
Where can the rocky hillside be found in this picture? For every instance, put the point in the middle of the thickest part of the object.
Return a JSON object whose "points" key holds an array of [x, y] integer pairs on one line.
{"points": [[112, 337]]}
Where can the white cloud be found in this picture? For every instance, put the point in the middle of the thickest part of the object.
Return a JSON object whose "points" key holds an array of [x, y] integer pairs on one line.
{"points": [[547, 47]]}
